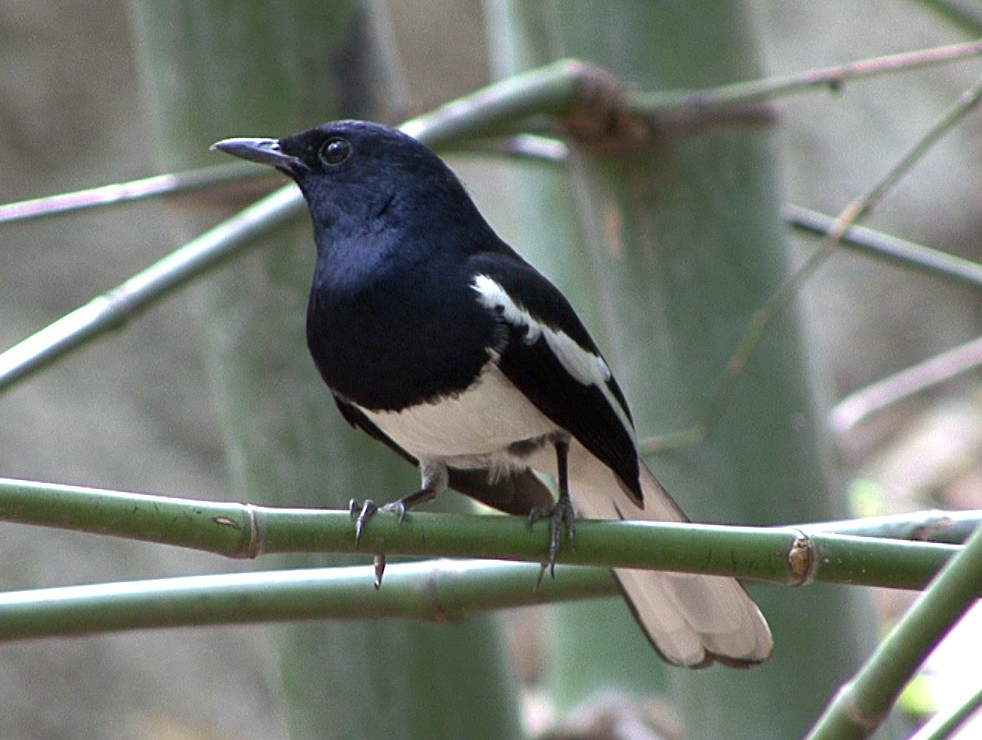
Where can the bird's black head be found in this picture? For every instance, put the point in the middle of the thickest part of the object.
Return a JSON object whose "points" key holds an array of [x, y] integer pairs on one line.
{"points": [[361, 179]]}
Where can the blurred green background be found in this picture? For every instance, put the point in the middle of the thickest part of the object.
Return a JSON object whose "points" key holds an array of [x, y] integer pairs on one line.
{"points": [[135, 411]]}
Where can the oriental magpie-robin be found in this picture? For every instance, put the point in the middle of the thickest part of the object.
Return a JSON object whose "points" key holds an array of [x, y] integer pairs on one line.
{"points": [[438, 339]]}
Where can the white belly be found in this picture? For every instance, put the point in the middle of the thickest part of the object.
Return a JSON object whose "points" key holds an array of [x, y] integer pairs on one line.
{"points": [[473, 429]]}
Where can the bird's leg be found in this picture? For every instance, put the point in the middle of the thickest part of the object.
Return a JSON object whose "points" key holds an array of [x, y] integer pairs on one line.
{"points": [[434, 480], [562, 516], [361, 513]]}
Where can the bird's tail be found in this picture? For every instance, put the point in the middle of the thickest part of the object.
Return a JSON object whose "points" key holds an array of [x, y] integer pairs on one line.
{"points": [[692, 620]]}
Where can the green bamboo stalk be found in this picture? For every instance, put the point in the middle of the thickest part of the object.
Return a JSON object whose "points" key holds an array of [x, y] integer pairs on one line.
{"points": [[782, 555], [217, 68], [432, 591], [435, 592], [176, 521], [862, 704], [680, 243], [945, 724]]}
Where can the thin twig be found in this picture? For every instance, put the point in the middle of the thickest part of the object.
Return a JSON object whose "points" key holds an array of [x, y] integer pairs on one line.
{"points": [[112, 309], [174, 183], [953, 527], [536, 92], [918, 378], [762, 318], [890, 248], [745, 93]]}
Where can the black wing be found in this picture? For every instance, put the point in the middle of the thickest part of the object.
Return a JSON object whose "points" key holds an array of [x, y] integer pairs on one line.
{"points": [[593, 410]]}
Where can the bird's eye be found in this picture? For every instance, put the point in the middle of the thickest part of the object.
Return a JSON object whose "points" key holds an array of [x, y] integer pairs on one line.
{"points": [[335, 151]]}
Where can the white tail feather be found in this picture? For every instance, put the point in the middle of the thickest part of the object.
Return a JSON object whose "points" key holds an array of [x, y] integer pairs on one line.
{"points": [[690, 619]]}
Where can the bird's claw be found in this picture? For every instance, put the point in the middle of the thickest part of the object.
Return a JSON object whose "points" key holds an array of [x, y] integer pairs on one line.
{"points": [[397, 507], [379, 569], [560, 517], [361, 513]]}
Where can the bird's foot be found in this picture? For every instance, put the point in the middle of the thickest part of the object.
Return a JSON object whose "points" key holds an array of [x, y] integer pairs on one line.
{"points": [[560, 517], [398, 507], [361, 513]]}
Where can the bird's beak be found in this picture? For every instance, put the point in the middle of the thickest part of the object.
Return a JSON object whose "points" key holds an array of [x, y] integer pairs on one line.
{"points": [[263, 151]]}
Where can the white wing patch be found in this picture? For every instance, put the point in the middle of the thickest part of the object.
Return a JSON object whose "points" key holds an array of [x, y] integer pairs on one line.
{"points": [[581, 364]]}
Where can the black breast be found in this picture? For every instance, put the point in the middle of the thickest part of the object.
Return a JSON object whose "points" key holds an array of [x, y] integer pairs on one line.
{"points": [[399, 339]]}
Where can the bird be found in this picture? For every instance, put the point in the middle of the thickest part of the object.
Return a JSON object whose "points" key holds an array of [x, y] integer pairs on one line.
{"points": [[439, 340]]}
